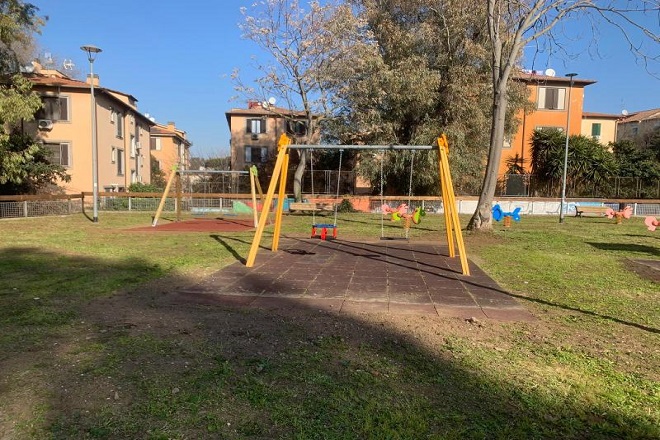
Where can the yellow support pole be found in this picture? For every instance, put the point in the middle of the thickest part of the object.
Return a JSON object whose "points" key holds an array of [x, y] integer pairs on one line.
{"points": [[280, 202], [455, 221], [442, 144], [254, 200], [283, 148], [161, 205]]}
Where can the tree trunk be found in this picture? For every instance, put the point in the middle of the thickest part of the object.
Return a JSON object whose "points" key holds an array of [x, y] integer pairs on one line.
{"points": [[298, 175], [482, 219]]}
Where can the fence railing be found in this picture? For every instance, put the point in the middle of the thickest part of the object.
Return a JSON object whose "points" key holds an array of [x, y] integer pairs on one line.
{"points": [[213, 204], [528, 185]]}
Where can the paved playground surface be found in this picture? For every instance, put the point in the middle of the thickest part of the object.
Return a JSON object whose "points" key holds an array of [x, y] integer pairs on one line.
{"points": [[399, 277]]}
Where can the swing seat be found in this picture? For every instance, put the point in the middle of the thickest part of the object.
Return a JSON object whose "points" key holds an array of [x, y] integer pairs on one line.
{"points": [[324, 230]]}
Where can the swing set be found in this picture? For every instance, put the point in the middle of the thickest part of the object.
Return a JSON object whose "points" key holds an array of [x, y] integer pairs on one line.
{"points": [[279, 177]]}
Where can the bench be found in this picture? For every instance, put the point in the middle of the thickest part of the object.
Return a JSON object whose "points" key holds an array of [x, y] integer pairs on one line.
{"points": [[599, 211], [303, 206], [310, 206]]}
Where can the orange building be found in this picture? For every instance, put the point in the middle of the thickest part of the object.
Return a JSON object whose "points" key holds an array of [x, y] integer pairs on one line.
{"points": [[169, 146], [64, 126], [550, 95]]}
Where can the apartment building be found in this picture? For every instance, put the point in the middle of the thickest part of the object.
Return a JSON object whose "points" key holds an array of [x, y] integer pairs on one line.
{"points": [[636, 126], [550, 95], [64, 126], [169, 146], [600, 126], [256, 129]]}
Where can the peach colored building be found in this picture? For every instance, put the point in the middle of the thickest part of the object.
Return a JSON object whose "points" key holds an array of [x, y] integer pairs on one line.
{"points": [[550, 96], [256, 129], [639, 124], [600, 126], [64, 126], [169, 146]]}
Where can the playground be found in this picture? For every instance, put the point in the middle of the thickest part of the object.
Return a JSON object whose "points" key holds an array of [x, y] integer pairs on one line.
{"points": [[104, 327]]}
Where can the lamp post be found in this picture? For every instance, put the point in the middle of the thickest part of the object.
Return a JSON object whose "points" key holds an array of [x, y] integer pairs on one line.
{"points": [[563, 177], [92, 51]]}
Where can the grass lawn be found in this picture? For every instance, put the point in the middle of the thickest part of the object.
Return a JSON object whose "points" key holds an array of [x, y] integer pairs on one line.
{"points": [[94, 343]]}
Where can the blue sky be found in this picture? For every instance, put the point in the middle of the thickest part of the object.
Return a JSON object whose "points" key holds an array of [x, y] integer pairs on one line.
{"points": [[176, 58]]}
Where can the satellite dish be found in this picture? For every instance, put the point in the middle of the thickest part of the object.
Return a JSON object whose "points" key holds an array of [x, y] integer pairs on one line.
{"points": [[550, 72], [264, 104], [624, 112], [272, 101]]}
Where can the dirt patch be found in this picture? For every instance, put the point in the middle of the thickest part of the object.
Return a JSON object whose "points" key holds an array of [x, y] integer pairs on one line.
{"points": [[649, 269]]}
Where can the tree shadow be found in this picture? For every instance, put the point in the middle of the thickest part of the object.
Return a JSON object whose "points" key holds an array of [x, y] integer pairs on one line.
{"points": [[151, 361], [626, 247]]}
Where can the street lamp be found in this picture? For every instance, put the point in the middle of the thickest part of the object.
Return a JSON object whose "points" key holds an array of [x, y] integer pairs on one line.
{"points": [[563, 177], [92, 51]]}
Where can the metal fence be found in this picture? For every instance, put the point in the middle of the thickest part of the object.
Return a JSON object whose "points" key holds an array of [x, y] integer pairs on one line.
{"points": [[213, 204], [528, 185]]}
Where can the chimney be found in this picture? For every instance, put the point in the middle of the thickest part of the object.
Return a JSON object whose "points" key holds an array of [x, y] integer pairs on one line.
{"points": [[96, 80], [253, 104], [171, 126]]}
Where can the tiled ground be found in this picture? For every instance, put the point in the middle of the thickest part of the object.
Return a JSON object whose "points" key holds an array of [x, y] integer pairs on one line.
{"points": [[353, 277]]}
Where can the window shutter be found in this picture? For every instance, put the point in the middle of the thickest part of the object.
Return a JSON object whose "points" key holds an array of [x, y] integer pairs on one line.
{"points": [[248, 126], [551, 99], [64, 154], [262, 125], [595, 129], [64, 110]]}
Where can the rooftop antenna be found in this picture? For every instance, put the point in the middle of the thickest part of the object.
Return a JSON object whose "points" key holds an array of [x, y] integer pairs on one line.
{"points": [[48, 59], [67, 64]]}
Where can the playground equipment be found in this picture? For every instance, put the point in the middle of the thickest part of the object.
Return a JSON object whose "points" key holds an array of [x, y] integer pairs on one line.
{"points": [[651, 223], [323, 227], [403, 212], [499, 214], [206, 201], [278, 181], [619, 215]]}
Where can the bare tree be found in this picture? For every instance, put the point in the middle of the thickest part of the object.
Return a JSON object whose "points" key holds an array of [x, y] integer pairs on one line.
{"points": [[513, 24], [302, 43]]}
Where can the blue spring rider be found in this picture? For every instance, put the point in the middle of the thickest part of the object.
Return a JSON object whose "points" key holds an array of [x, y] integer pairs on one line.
{"points": [[499, 214]]}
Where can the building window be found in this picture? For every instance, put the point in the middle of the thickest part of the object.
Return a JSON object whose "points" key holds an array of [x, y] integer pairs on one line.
{"points": [[60, 153], [551, 98], [154, 144], [133, 146], [256, 126], [256, 154], [117, 119], [113, 155], [595, 130], [55, 108], [120, 162]]}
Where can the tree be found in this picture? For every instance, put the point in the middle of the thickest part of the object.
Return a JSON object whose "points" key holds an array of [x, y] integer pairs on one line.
{"points": [[18, 23], [157, 176], [301, 43], [430, 76], [589, 164], [513, 24]]}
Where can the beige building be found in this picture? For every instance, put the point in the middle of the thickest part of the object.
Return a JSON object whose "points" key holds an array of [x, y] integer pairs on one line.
{"points": [[169, 146], [638, 125], [64, 126], [256, 130], [600, 126]]}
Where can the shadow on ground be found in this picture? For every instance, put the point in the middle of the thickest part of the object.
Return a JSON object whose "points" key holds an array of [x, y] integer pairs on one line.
{"points": [[148, 362]]}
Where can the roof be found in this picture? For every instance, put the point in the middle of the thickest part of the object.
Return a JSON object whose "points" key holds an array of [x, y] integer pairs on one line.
{"points": [[644, 115], [163, 130], [594, 115], [539, 78], [258, 110], [68, 83]]}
